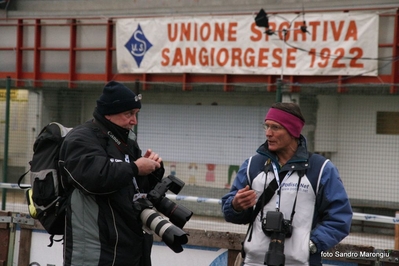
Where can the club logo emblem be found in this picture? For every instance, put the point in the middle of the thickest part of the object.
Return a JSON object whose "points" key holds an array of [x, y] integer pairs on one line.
{"points": [[138, 45]]}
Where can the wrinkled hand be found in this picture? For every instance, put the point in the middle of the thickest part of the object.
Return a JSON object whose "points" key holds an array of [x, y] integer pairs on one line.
{"points": [[244, 199], [148, 163]]}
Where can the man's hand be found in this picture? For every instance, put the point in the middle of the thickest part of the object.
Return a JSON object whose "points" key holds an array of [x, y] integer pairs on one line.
{"points": [[244, 199], [148, 163], [153, 156]]}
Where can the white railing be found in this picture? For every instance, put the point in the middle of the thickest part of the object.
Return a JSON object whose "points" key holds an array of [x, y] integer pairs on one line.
{"points": [[356, 215]]}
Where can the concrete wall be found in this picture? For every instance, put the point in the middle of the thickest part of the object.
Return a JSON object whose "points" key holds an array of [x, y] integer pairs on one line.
{"points": [[346, 128]]}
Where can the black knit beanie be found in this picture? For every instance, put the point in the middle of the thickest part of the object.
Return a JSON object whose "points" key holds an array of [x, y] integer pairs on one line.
{"points": [[117, 98]]}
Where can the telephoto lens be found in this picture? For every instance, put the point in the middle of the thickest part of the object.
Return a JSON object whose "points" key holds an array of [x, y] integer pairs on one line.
{"points": [[173, 236], [275, 255], [170, 231], [178, 215]]}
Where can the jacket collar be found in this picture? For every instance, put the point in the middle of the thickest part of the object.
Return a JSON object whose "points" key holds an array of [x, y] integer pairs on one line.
{"points": [[298, 161], [120, 133]]}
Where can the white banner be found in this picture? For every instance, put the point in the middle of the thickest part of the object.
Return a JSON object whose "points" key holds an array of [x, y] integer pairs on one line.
{"points": [[334, 44]]}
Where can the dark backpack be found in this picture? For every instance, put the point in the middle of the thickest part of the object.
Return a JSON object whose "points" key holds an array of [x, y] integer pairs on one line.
{"points": [[47, 197]]}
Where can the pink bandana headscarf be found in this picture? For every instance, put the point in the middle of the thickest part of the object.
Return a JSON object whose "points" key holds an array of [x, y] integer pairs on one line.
{"points": [[292, 123]]}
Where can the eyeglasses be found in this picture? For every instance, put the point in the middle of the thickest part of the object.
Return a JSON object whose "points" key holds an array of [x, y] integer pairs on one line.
{"points": [[273, 128]]}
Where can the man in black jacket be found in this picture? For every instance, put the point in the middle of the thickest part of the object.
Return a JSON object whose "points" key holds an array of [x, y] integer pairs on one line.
{"points": [[103, 164]]}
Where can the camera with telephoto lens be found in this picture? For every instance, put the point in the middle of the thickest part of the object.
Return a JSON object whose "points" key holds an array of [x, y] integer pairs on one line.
{"points": [[278, 229], [170, 231]]}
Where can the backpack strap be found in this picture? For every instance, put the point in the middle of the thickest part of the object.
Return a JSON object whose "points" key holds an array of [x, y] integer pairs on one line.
{"points": [[52, 240], [20, 185], [101, 136]]}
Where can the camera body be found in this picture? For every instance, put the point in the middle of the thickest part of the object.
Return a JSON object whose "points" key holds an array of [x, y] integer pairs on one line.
{"points": [[178, 215], [275, 223], [170, 231], [278, 229]]}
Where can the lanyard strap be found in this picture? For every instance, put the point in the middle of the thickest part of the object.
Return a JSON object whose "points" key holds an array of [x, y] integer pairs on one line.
{"points": [[277, 176]]}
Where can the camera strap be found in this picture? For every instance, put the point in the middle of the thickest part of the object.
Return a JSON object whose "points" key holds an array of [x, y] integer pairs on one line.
{"points": [[138, 194], [264, 198], [301, 174]]}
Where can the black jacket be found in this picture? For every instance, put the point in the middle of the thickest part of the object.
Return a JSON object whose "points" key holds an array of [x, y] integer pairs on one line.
{"points": [[103, 227]]}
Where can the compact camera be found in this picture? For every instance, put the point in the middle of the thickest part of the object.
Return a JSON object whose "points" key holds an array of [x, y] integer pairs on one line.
{"points": [[278, 229], [170, 231]]}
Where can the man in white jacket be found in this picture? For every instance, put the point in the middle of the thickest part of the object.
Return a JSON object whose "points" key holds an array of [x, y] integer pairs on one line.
{"points": [[304, 211]]}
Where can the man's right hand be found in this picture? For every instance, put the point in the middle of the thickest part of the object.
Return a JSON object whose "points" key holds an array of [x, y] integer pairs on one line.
{"points": [[244, 199]]}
